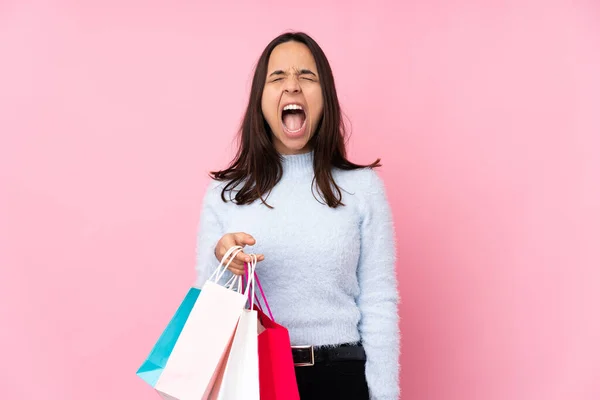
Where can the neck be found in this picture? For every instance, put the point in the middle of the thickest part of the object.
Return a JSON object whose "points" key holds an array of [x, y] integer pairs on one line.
{"points": [[298, 164]]}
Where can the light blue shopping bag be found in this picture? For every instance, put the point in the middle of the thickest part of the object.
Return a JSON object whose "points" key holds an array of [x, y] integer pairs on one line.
{"points": [[154, 364]]}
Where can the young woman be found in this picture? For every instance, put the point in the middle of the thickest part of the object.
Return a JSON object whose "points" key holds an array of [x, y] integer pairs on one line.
{"points": [[321, 225]]}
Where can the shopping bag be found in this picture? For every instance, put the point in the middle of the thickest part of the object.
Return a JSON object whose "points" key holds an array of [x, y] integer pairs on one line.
{"points": [[197, 358], [240, 378], [154, 364], [277, 375]]}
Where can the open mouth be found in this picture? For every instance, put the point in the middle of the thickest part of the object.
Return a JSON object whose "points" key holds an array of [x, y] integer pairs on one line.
{"points": [[293, 119]]}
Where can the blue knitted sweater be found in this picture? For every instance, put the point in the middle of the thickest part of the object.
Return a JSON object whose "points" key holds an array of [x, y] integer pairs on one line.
{"points": [[328, 274]]}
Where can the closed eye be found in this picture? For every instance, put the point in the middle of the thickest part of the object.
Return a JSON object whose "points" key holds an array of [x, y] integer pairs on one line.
{"points": [[308, 75]]}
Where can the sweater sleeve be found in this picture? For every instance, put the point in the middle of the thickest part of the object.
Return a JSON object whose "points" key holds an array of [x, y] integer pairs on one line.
{"points": [[210, 230], [378, 299]]}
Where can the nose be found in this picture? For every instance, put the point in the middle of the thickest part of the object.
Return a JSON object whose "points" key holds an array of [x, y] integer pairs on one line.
{"points": [[292, 85]]}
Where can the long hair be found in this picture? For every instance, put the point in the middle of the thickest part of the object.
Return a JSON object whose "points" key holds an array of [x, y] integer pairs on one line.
{"points": [[257, 166]]}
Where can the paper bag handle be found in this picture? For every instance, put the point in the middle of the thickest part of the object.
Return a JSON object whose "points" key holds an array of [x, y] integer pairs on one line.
{"points": [[262, 293], [233, 251]]}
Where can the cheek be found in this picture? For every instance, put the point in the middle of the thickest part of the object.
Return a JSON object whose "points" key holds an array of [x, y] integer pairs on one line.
{"points": [[316, 104], [267, 106]]}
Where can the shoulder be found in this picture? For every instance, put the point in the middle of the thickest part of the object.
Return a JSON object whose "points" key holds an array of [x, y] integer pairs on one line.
{"points": [[215, 185], [213, 191], [362, 182]]}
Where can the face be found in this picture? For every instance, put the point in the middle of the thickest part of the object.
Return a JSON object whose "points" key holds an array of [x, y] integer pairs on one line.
{"points": [[292, 101]]}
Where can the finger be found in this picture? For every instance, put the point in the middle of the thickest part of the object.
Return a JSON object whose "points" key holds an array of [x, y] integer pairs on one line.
{"points": [[237, 268], [224, 245], [243, 239], [242, 257], [222, 257], [259, 257], [227, 246], [237, 264], [237, 271]]}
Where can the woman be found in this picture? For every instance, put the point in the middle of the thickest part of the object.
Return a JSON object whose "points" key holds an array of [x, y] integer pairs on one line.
{"points": [[321, 225]]}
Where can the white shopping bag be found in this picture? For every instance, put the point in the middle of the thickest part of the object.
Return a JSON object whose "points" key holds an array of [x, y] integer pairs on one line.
{"points": [[201, 349], [240, 378]]}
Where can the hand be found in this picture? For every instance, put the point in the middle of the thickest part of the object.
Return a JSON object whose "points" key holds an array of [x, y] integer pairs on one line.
{"points": [[236, 239]]}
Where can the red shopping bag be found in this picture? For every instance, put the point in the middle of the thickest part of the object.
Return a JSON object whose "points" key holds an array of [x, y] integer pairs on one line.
{"points": [[276, 373]]}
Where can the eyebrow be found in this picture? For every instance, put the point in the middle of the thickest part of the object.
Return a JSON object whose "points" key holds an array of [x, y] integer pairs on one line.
{"points": [[307, 72], [301, 72]]}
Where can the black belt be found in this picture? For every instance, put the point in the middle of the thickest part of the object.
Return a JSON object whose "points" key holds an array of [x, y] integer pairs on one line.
{"points": [[307, 356]]}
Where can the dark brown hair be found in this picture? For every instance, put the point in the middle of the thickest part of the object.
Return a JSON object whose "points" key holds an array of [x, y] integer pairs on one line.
{"points": [[257, 165]]}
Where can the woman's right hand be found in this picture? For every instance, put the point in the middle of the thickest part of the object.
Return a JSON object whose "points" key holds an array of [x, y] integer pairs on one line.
{"points": [[236, 239]]}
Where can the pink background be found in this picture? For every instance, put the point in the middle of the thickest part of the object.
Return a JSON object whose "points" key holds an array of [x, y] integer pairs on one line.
{"points": [[486, 115]]}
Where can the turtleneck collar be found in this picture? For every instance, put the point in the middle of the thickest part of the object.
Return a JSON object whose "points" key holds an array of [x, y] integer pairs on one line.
{"points": [[298, 164]]}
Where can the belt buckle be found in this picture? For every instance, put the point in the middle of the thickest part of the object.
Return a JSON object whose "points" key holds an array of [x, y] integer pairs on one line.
{"points": [[312, 356]]}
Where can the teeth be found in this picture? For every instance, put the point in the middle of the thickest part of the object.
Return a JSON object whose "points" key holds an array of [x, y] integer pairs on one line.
{"points": [[292, 107]]}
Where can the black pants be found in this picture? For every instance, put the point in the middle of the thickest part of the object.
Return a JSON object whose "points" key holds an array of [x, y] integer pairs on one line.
{"points": [[334, 380]]}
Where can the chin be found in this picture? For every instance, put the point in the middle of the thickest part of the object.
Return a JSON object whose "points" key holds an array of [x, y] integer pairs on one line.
{"points": [[296, 147], [299, 145]]}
